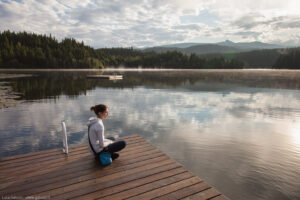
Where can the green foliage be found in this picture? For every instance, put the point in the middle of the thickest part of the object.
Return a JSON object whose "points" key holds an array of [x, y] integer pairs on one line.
{"points": [[259, 58], [29, 50], [172, 59], [289, 59]]}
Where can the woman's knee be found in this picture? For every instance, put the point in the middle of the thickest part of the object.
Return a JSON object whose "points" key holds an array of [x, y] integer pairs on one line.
{"points": [[123, 144], [117, 146]]}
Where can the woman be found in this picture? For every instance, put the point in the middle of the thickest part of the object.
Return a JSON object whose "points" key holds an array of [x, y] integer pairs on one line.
{"points": [[97, 141]]}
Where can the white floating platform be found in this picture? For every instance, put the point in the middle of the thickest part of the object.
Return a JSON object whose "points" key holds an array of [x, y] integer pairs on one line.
{"points": [[108, 77]]}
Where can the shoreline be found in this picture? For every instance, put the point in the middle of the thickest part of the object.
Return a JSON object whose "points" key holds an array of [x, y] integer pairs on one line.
{"points": [[9, 98], [9, 76]]}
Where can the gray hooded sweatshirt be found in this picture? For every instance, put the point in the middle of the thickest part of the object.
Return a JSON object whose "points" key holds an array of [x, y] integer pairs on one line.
{"points": [[96, 134]]}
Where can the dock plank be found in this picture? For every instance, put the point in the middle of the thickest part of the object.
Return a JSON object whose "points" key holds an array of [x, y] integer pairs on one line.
{"points": [[57, 160], [139, 179], [82, 167], [141, 172], [66, 159], [185, 192], [82, 173], [221, 197], [133, 138], [77, 183]]}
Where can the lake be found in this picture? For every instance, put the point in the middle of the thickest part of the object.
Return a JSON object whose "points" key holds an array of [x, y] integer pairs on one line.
{"points": [[239, 130]]}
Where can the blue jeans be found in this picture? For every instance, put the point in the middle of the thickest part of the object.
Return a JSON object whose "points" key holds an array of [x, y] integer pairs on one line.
{"points": [[115, 146]]}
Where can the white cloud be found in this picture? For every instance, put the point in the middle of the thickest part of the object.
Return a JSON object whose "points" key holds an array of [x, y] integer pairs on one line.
{"points": [[154, 22]]}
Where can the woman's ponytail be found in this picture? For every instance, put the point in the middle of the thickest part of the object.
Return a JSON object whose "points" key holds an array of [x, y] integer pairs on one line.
{"points": [[98, 108], [92, 108]]}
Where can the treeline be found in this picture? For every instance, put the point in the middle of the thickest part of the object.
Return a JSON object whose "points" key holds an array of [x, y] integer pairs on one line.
{"points": [[133, 58], [288, 59], [265, 58], [29, 50]]}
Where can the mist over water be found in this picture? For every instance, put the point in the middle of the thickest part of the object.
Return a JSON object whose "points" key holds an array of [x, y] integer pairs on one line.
{"points": [[238, 132]]}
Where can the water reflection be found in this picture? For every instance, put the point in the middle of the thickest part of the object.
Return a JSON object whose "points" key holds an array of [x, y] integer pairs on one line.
{"points": [[45, 85], [242, 140]]}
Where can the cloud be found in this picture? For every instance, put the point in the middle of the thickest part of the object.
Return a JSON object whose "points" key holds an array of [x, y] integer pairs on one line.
{"points": [[195, 27], [153, 22], [248, 21], [290, 22], [248, 34]]}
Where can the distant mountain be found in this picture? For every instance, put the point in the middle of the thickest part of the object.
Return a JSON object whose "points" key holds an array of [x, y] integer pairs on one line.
{"points": [[197, 49], [181, 45], [210, 48], [250, 45], [162, 49]]}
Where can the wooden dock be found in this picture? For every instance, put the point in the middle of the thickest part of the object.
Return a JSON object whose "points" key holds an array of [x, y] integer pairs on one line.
{"points": [[141, 172]]}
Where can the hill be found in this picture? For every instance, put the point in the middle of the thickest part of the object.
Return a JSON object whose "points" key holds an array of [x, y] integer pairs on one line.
{"points": [[250, 45], [264, 58], [210, 48], [288, 58]]}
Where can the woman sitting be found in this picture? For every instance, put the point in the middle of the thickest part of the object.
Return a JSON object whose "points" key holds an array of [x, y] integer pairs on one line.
{"points": [[97, 141]]}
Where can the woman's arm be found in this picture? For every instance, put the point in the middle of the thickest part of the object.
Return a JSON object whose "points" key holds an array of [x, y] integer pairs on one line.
{"points": [[107, 142], [96, 138], [100, 136]]}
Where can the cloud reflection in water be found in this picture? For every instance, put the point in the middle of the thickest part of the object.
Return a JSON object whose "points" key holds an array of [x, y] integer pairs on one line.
{"points": [[242, 134]]}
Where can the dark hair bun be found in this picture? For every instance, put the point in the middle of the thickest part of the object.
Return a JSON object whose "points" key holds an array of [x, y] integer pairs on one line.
{"points": [[100, 108], [92, 108]]}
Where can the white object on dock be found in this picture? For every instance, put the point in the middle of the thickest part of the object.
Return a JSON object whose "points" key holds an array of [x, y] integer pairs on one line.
{"points": [[65, 137], [109, 77]]}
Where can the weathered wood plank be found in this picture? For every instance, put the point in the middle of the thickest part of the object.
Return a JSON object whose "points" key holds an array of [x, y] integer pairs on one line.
{"points": [[132, 181], [221, 197], [6, 163], [87, 169], [57, 152], [58, 159], [70, 163], [138, 179], [168, 188], [142, 192], [204, 195], [84, 165], [185, 192], [77, 183]]}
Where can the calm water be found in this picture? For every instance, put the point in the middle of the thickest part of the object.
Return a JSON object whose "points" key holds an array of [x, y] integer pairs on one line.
{"points": [[237, 130]]}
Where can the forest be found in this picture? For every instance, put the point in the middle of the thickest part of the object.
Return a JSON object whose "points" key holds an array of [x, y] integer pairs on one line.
{"points": [[289, 59], [30, 50]]}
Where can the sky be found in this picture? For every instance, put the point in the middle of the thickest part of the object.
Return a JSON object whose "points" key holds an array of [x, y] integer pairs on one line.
{"points": [[146, 23]]}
